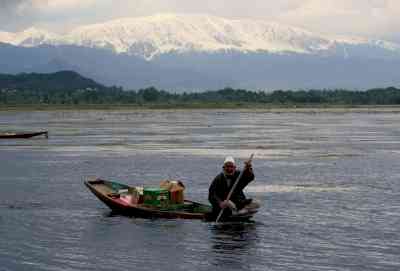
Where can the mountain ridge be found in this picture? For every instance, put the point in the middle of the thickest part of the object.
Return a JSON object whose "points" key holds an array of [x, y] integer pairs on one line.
{"points": [[152, 36], [200, 52]]}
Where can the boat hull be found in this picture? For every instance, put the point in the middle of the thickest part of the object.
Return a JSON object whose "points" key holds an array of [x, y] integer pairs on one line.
{"points": [[118, 205], [23, 135]]}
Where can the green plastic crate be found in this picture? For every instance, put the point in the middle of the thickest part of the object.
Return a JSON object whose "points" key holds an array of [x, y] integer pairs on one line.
{"points": [[155, 196]]}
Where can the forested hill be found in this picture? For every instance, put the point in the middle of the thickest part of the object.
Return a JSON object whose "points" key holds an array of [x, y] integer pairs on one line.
{"points": [[59, 81]]}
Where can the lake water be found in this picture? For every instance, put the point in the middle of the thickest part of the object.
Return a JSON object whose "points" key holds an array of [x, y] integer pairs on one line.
{"points": [[328, 184]]}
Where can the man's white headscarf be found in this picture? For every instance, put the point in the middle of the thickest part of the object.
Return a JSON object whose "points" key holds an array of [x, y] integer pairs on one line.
{"points": [[229, 159]]}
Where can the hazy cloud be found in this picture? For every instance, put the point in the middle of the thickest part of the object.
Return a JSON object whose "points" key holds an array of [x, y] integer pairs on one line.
{"points": [[11, 14], [62, 5], [19, 14], [10, 4], [358, 17], [365, 17]]}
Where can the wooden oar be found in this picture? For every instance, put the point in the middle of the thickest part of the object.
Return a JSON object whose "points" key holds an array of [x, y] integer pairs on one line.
{"points": [[233, 187]]}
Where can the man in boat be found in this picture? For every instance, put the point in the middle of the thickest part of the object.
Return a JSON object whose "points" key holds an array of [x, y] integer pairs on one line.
{"points": [[223, 183]]}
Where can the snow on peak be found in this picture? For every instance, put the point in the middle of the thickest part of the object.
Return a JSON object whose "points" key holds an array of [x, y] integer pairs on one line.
{"points": [[163, 33], [30, 37], [154, 35], [6, 37], [391, 46]]}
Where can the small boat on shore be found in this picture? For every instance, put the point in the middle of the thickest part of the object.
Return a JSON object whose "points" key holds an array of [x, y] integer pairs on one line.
{"points": [[114, 195], [23, 135]]}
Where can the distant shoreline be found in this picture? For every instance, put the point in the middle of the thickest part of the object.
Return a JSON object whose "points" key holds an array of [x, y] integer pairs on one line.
{"points": [[214, 107]]}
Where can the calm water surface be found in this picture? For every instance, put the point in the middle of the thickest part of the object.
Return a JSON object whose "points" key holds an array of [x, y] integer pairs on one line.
{"points": [[328, 183]]}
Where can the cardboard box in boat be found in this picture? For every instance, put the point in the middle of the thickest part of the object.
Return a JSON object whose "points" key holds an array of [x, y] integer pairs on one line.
{"points": [[175, 189]]}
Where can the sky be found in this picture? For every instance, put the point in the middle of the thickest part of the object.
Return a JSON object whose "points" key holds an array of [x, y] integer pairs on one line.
{"points": [[369, 18]]}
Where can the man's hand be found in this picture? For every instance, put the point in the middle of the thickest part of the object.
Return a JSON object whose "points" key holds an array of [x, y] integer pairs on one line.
{"points": [[223, 204], [227, 204], [248, 165]]}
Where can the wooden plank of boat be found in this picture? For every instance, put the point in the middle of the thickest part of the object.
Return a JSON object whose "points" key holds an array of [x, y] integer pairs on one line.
{"points": [[107, 192], [23, 135]]}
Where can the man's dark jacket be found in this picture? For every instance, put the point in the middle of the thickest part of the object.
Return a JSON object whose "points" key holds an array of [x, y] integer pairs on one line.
{"points": [[219, 189]]}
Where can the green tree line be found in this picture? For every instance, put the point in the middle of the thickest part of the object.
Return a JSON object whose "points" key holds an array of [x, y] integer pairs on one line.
{"points": [[70, 88], [114, 95]]}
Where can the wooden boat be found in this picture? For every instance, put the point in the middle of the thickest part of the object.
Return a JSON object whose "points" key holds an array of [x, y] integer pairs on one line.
{"points": [[108, 193], [23, 135]]}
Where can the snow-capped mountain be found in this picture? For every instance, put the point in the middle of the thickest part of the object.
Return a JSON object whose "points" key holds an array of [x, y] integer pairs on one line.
{"points": [[199, 52], [151, 36]]}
